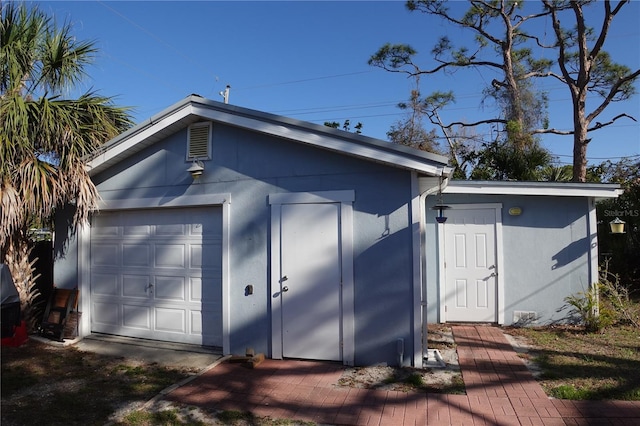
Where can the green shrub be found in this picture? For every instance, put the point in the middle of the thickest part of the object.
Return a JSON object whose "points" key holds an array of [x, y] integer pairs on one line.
{"points": [[415, 380], [586, 305], [605, 303]]}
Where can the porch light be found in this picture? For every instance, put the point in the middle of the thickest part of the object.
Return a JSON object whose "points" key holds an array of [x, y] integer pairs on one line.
{"points": [[617, 226], [440, 206], [441, 218], [196, 169]]}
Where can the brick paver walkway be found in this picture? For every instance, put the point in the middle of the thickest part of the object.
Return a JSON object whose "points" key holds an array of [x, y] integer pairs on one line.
{"points": [[500, 391]]}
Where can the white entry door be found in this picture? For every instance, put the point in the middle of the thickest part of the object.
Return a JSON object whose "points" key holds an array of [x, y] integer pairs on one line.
{"points": [[157, 274], [470, 265], [311, 281]]}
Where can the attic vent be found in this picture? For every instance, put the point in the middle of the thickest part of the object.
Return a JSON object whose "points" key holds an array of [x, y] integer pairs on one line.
{"points": [[199, 146]]}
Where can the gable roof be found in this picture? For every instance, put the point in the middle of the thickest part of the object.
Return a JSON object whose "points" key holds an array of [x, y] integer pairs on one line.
{"points": [[195, 108]]}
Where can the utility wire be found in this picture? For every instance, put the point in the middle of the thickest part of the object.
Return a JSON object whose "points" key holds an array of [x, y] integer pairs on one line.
{"points": [[283, 83], [158, 39]]}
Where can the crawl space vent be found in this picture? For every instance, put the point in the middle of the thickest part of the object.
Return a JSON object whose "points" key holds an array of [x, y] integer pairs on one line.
{"points": [[524, 317], [199, 141]]}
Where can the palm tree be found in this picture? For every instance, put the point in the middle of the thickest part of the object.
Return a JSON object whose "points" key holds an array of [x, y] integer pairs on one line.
{"points": [[44, 137]]}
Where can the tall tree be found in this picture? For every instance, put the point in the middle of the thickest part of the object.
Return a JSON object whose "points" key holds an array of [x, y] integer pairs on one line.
{"points": [[587, 69], [500, 46], [503, 46], [44, 137], [410, 130]]}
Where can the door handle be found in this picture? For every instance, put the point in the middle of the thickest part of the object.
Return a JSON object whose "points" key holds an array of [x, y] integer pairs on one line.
{"points": [[285, 289]]}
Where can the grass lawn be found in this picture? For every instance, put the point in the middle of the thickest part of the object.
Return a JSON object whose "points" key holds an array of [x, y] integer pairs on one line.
{"points": [[580, 365]]}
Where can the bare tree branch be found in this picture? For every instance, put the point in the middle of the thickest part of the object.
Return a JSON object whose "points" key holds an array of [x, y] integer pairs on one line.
{"points": [[612, 93], [477, 123], [598, 125]]}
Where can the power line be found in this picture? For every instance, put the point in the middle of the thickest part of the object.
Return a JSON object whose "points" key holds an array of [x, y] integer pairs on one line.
{"points": [[601, 158], [158, 39], [303, 80]]}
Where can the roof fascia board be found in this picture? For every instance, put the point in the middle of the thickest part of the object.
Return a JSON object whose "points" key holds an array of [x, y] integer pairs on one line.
{"points": [[317, 128], [598, 190], [304, 135], [139, 133]]}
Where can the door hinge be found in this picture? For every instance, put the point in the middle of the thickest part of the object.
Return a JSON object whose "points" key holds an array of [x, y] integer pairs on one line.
{"points": [[445, 308]]}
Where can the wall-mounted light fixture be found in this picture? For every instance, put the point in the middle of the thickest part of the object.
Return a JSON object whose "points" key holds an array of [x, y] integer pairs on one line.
{"points": [[440, 206], [441, 218], [515, 211], [617, 226], [196, 169]]}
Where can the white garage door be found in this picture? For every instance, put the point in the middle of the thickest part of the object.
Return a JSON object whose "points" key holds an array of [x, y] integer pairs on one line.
{"points": [[157, 274]]}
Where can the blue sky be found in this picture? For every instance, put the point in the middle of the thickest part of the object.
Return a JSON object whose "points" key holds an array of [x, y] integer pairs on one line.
{"points": [[308, 60]]}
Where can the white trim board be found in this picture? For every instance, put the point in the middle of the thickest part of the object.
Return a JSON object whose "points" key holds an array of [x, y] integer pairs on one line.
{"points": [[417, 219], [557, 189]]}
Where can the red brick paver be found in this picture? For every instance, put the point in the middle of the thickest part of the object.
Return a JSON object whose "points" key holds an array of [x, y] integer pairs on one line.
{"points": [[500, 392]]}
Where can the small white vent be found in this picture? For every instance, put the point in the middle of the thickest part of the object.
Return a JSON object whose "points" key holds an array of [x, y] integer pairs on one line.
{"points": [[524, 317], [199, 146]]}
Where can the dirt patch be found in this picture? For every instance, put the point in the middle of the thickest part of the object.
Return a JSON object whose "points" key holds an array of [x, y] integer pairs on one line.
{"points": [[68, 386], [440, 380], [442, 374]]}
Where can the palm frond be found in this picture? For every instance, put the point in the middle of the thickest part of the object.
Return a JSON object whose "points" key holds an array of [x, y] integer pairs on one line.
{"points": [[11, 211], [45, 139], [63, 58]]}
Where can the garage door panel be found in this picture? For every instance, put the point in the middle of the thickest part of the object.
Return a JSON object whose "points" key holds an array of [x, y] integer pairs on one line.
{"points": [[136, 230], [157, 274], [196, 322], [170, 229], [170, 288], [169, 255], [196, 229], [195, 256], [104, 284], [171, 320], [136, 286], [136, 255], [105, 226], [195, 289], [136, 316], [105, 254], [106, 313]]}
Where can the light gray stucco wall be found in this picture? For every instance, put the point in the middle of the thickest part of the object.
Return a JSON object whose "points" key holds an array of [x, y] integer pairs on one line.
{"points": [[250, 166], [546, 253]]}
